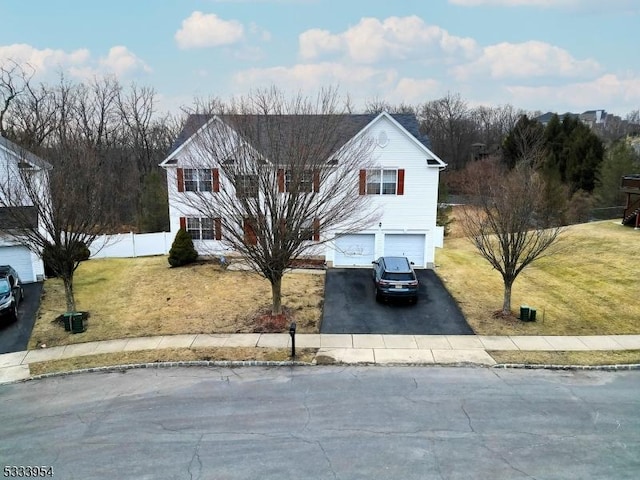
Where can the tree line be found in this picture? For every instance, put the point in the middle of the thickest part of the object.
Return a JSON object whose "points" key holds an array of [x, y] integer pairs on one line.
{"points": [[117, 127]]}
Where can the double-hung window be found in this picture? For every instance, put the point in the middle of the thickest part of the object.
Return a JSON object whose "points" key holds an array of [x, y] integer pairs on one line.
{"points": [[246, 186], [198, 180], [298, 181], [382, 182], [304, 181], [201, 228]]}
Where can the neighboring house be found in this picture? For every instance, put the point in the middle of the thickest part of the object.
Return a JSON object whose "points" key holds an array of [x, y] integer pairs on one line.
{"points": [[28, 264], [404, 185]]}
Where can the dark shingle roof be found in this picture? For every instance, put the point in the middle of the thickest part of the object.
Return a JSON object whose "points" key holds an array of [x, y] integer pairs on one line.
{"points": [[350, 125]]}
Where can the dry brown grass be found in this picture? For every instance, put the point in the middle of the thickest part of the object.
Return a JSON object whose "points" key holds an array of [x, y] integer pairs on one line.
{"points": [[589, 287], [143, 296], [614, 357], [170, 355]]}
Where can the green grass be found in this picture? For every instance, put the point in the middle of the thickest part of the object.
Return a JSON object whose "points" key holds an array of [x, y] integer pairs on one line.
{"points": [[142, 297], [588, 287]]}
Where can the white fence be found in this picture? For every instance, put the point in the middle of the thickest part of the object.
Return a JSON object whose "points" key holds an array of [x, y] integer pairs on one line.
{"points": [[126, 245]]}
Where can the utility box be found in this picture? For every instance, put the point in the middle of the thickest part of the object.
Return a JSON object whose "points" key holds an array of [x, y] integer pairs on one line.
{"points": [[524, 313]]}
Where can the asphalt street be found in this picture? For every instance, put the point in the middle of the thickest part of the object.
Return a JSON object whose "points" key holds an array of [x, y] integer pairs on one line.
{"points": [[14, 337], [326, 423], [350, 307]]}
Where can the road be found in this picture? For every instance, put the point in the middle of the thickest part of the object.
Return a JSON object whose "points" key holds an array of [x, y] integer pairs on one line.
{"points": [[326, 423]]}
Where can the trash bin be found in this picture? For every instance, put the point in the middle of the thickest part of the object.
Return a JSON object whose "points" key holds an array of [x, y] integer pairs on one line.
{"points": [[532, 314], [66, 320], [524, 313], [77, 323], [74, 322]]}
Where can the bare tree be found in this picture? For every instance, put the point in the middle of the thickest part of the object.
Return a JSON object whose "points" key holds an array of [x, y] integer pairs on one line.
{"points": [[58, 212], [448, 124], [285, 175], [14, 79], [508, 225]]}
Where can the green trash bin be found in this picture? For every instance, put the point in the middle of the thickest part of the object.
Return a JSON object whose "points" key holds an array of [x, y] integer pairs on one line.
{"points": [[532, 314], [66, 320], [524, 313], [74, 322]]}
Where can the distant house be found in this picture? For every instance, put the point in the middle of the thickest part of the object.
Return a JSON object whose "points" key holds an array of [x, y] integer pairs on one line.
{"points": [[404, 184], [630, 186], [13, 161]]}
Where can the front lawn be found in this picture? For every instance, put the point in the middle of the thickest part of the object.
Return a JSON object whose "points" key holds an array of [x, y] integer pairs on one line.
{"points": [[590, 287], [136, 297]]}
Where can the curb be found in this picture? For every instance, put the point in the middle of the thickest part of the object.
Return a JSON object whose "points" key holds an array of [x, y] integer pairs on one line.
{"points": [[289, 363], [157, 365], [525, 366]]}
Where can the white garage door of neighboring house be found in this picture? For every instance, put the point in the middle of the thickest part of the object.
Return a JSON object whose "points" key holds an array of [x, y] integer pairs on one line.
{"points": [[354, 250], [20, 259], [405, 245]]}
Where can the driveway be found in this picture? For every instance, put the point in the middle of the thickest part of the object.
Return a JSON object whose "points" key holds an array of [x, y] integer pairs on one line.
{"points": [[15, 336], [350, 307]]}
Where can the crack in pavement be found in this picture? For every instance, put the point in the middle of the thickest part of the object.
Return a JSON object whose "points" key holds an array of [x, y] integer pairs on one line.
{"points": [[195, 460], [508, 463], [326, 457], [467, 415]]}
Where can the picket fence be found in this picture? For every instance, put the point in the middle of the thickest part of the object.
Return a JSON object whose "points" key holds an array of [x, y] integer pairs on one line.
{"points": [[128, 245]]}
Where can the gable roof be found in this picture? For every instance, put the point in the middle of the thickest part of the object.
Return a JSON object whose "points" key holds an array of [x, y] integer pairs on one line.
{"points": [[350, 126], [22, 154]]}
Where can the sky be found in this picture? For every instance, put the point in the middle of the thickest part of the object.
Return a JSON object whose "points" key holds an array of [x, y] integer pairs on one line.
{"points": [[538, 55]]}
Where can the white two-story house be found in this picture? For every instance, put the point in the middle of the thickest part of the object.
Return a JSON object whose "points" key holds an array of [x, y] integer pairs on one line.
{"points": [[400, 180], [14, 162]]}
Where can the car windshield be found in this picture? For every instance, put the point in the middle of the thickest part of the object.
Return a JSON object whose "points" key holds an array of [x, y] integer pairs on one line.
{"points": [[4, 286], [398, 277]]}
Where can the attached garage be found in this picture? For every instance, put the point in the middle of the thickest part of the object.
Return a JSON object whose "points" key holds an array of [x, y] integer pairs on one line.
{"points": [[354, 250], [406, 245], [20, 258]]}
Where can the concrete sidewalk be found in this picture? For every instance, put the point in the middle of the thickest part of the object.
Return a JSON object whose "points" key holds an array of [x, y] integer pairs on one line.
{"points": [[349, 349]]}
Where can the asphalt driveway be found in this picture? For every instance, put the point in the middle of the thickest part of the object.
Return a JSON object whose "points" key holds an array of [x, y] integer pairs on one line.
{"points": [[350, 307], [15, 336]]}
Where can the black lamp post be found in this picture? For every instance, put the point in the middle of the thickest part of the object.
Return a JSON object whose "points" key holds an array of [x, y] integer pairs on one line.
{"points": [[292, 332]]}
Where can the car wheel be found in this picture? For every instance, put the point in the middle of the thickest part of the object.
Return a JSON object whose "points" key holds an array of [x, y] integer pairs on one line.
{"points": [[13, 316], [378, 296]]}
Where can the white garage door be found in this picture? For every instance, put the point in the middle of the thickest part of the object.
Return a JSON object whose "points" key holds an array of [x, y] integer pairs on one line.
{"points": [[406, 245], [354, 250], [20, 259]]}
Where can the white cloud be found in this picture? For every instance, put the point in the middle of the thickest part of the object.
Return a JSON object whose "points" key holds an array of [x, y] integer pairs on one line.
{"points": [[120, 60], [42, 60], [362, 83], [394, 38], [315, 42], [612, 92], [311, 76], [528, 59], [208, 30], [414, 91], [78, 63]]}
